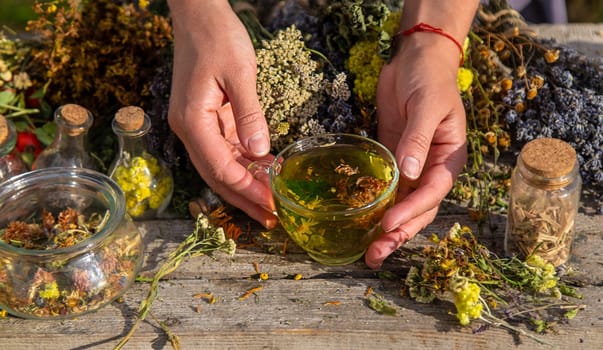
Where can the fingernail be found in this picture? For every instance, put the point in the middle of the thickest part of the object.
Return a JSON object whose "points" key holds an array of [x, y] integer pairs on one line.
{"points": [[410, 167], [259, 145]]}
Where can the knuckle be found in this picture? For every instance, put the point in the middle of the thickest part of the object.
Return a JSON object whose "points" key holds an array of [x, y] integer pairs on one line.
{"points": [[246, 119], [420, 141]]}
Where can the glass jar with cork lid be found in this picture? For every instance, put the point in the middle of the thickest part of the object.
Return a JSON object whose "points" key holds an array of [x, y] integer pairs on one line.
{"points": [[69, 147], [544, 200], [144, 177], [11, 164]]}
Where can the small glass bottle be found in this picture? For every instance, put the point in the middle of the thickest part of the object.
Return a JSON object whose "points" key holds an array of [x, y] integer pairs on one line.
{"points": [[145, 178], [69, 147], [11, 163], [544, 200]]}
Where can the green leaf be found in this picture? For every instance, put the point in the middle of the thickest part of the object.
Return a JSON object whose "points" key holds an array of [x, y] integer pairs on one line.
{"points": [[46, 133], [309, 190], [6, 98], [571, 314], [569, 291], [377, 303]]}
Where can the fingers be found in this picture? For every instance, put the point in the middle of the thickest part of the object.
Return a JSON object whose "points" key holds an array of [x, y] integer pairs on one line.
{"points": [[250, 122], [413, 147], [442, 169], [214, 149], [389, 242]]}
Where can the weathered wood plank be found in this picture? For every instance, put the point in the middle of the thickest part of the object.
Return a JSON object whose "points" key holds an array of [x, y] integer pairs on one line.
{"points": [[163, 236], [289, 314], [585, 37]]}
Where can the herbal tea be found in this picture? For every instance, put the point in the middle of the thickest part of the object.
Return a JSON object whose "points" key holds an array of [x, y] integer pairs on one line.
{"points": [[329, 199]]}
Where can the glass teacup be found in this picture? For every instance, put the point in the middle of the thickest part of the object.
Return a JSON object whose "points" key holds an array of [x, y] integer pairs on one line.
{"points": [[330, 193]]}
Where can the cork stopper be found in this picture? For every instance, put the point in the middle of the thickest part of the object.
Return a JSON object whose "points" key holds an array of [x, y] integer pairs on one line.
{"points": [[74, 115], [3, 128], [548, 157], [130, 118]]}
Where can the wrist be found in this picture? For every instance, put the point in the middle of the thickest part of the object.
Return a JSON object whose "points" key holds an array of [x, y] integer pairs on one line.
{"points": [[429, 47], [454, 17], [189, 15]]}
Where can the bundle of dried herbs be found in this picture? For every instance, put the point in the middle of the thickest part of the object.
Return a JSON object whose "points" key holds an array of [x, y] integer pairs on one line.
{"points": [[204, 240], [506, 292]]}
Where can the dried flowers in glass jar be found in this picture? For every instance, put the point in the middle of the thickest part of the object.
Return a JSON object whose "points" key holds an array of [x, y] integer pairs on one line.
{"points": [[67, 245], [545, 194], [145, 179]]}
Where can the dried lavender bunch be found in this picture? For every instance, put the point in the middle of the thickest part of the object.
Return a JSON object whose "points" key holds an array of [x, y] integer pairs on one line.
{"points": [[568, 106]]}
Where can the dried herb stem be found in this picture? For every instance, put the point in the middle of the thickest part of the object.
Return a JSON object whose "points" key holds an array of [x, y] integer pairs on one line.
{"points": [[205, 240], [173, 338]]}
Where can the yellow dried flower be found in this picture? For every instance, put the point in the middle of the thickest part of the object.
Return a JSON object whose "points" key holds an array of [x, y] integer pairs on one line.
{"points": [[365, 65], [537, 82], [504, 140], [490, 138], [468, 305], [52, 8], [521, 71], [520, 107], [464, 79], [50, 291]]}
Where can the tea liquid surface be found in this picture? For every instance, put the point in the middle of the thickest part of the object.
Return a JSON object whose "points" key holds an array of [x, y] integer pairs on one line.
{"points": [[320, 197]]}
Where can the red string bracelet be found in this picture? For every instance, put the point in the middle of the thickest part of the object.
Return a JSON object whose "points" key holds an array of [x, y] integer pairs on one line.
{"points": [[423, 27]]}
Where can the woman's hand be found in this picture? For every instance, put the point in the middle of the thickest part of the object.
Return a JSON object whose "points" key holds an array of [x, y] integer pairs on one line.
{"points": [[214, 108], [425, 128]]}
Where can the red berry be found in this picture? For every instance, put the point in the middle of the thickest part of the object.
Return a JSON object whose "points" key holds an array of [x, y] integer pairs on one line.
{"points": [[28, 142]]}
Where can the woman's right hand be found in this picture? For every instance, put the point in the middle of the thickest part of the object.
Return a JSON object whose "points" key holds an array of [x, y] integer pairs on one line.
{"points": [[214, 108]]}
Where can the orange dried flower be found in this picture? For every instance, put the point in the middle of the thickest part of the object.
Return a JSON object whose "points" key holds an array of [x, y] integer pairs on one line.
{"points": [[551, 56], [498, 46], [531, 94], [506, 84], [68, 219]]}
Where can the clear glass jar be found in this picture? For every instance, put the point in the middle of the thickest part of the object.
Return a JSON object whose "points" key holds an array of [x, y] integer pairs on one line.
{"points": [[63, 282], [144, 177], [11, 163], [69, 147], [544, 200]]}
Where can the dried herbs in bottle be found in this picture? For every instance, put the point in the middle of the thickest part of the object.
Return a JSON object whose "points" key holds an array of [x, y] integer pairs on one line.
{"points": [[545, 194]]}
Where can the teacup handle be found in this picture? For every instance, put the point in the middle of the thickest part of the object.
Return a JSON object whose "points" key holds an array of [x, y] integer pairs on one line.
{"points": [[260, 169]]}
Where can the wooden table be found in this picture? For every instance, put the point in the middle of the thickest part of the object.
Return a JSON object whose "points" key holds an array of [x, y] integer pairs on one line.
{"points": [[327, 308]]}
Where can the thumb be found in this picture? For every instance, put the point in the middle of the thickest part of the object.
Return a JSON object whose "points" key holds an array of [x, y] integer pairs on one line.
{"points": [[249, 118], [413, 147]]}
